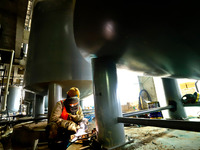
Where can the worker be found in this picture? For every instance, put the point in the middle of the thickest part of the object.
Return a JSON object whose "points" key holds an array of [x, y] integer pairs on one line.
{"points": [[65, 118]]}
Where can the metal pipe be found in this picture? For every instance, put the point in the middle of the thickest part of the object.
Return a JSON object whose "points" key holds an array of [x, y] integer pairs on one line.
{"points": [[54, 95], [192, 105], [173, 97], [173, 124], [21, 120], [3, 76], [107, 106], [34, 103], [29, 91], [6, 50], [115, 147], [8, 80], [39, 105], [147, 111]]}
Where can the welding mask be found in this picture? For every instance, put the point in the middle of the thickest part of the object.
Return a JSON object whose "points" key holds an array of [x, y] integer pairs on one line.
{"points": [[72, 105]]}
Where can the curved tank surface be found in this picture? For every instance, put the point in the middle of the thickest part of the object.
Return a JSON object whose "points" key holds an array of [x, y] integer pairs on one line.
{"points": [[53, 56], [155, 38], [14, 96]]}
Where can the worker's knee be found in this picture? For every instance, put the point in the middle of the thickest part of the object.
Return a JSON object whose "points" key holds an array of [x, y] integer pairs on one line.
{"points": [[52, 129]]}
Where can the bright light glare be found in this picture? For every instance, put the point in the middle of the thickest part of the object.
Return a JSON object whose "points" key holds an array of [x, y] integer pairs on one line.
{"points": [[109, 30], [128, 86], [88, 102]]}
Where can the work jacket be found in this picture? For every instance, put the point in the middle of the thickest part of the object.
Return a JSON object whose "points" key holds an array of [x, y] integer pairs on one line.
{"points": [[61, 121]]}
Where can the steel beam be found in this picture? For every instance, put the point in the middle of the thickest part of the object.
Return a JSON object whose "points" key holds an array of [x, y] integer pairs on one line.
{"points": [[147, 111], [107, 106], [173, 96], [192, 105], [173, 124]]}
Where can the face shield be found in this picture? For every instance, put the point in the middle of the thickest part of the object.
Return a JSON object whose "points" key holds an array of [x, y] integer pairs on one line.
{"points": [[72, 105], [74, 108]]}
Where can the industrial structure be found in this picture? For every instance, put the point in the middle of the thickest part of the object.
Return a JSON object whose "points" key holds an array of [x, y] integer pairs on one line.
{"points": [[48, 46]]}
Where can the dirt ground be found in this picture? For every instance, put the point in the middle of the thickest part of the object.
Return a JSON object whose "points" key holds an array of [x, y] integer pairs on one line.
{"points": [[154, 138], [143, 137]]}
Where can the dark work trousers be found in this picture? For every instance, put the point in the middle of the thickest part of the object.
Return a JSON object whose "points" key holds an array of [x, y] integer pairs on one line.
{"points": [[61, 141]]}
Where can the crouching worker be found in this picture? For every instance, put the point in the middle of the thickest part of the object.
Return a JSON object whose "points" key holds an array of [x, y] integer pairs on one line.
{"points": [[64, 120]]}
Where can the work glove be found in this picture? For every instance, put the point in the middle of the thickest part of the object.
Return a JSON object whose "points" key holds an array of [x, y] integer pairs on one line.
{"points": [[72, 126], [85, 121], [76, 118]]}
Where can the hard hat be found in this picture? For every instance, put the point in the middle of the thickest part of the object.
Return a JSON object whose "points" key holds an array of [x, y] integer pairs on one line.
{"points": [[73, 92]]}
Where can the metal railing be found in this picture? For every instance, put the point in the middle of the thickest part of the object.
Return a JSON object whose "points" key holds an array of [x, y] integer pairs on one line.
{"points": [[147, 111], [173, 124]]}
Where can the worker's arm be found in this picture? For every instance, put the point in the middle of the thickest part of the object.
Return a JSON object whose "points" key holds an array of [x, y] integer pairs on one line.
{"points": [[55, 117]]}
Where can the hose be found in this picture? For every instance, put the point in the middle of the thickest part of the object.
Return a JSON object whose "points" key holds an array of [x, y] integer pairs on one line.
{"points": [[142, 99]]}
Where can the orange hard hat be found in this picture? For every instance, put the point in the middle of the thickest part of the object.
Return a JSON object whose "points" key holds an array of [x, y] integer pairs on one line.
{"points": [[73, 92]]}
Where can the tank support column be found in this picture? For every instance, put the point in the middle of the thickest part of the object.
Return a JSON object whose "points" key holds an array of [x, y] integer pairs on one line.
{"points": [[107, 106], [54, 95], [173, 96], [39, 105]]}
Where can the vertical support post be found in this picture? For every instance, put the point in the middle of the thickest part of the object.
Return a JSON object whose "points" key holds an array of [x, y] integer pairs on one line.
{"points": [[54, 95], [39, 105], [34, 102], [107, 106], [173, 97]]}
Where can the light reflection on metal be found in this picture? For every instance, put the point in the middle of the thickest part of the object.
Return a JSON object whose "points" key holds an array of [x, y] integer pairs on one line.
{"points": [[109, 30], [14, 96]]}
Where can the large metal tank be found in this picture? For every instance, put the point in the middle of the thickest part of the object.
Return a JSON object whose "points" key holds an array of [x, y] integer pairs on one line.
{"points": [[13, 101], [53, 56], [158, 38]]}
